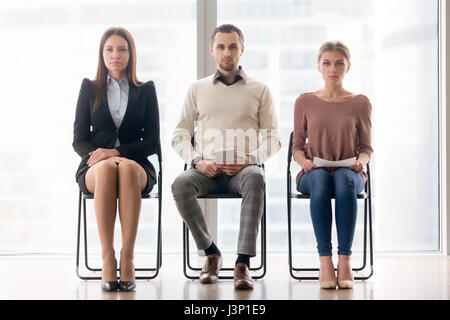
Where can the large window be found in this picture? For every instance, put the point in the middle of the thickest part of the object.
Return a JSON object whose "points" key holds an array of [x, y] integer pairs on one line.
{"points": [[50, 46], [394, 55]]}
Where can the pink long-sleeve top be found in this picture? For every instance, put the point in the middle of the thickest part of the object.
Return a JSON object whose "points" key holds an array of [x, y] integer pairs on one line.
{"points": [[332, 130]]}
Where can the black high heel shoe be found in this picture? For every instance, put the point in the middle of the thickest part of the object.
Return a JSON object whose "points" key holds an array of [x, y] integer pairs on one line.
{"points": [[127, 285], [110, 285]]}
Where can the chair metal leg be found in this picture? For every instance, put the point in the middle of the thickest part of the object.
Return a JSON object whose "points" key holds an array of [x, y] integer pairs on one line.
{"points": [[367, 202], [158, 246], [289, 216], [186, 262], [85, 245], [291, 268], [263, 242], [86, 240], [365, 246], [370, 236], [364, 240], [158, 251], [78, 237]]}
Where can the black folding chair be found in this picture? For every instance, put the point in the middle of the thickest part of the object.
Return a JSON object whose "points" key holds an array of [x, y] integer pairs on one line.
{"points": [[154, 195], [366, 196], [186, 252]]}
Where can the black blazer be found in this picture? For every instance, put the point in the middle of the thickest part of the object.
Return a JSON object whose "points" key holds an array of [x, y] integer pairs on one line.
{"points": [[138, 132]]}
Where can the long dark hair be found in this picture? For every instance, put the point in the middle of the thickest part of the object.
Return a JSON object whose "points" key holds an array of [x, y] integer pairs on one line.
{"points": [[100, 79]]}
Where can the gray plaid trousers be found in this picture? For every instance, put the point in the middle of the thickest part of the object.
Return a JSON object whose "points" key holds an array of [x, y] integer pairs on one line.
{"points": [[249, 182]]}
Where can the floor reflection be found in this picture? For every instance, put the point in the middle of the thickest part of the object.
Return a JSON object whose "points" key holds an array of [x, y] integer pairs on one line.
{"points": [[90, 290], [310, 289], [223, 289]]}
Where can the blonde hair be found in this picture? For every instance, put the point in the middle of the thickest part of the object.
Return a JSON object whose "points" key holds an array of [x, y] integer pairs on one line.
{"points": [[334, 46]]}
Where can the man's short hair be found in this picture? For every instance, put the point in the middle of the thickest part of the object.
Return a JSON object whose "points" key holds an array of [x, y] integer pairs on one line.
{"points": [[227, 28]]}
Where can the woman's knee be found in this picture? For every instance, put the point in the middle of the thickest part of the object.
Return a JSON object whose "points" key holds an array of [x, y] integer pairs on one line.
{"points": [[127, 165], [105, 169], [128, 168], [103, 174], [320, 181], [344, 180], [130, 173]]}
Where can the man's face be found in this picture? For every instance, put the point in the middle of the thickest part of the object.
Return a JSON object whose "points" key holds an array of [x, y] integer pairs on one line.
{"points": [[227, 50]]}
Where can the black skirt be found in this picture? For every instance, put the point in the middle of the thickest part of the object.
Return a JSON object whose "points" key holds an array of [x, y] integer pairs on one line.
{"points": [[148, 188]]}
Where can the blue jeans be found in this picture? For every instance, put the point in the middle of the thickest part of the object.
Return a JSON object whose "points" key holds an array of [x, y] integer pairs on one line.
{"points": [[320, 185]]}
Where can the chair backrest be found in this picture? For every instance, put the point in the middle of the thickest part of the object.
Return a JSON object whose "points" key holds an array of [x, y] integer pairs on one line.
{"points": [[193, 144], [160, 169], [291, 137]]}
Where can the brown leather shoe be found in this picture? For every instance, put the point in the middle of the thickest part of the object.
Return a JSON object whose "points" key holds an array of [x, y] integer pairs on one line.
{"points": [[210, 271], [242, 277]]}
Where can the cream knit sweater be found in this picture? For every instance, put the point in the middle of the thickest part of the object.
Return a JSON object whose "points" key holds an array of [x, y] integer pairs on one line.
{"points": [[240, 117]]}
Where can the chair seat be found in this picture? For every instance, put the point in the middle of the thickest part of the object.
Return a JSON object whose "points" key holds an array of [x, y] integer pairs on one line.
{"points": [[153, 195], [297, 195], [220, 196]]}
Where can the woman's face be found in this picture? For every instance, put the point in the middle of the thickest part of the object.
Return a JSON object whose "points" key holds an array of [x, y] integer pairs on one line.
{"points": [[333, 66], [116, 54]]}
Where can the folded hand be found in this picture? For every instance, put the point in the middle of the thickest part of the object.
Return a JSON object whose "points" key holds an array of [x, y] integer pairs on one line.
{"points": [[101, 154], [358, 166]]}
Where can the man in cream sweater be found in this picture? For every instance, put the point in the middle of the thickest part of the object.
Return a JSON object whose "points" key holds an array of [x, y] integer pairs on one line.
{"points": [[236, 131]]}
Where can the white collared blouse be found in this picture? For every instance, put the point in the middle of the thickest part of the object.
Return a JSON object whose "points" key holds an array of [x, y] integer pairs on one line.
{"points": [[117, 95]]}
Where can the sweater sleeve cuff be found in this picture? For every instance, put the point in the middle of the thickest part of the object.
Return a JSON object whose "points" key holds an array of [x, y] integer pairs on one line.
{"points": [[255, 157], [252, 159], [196, 160]]}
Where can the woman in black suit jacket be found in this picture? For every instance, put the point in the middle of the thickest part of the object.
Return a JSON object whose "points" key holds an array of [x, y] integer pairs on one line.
{"points": [[114, 152]]}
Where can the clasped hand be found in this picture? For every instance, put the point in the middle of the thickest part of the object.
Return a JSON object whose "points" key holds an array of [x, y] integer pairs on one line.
{"points": [[358, 166], [103, 154], [212, 170]]}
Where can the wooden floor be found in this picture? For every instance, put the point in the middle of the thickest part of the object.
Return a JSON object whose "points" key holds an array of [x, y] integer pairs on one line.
{"points": [[395, 277]]}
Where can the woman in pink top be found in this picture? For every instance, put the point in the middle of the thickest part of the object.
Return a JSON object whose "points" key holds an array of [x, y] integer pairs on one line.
{"points": [[333, 124]]}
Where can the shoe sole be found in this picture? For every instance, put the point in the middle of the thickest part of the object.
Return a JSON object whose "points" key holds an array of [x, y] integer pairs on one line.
{"points": [[208, 281], [345, 284], [127, 286], [109, 288], [129, 289], [243, 287], [328, 284]]}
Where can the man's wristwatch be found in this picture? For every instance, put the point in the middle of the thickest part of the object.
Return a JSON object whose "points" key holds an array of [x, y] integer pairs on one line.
{"points": [[195, 161]]}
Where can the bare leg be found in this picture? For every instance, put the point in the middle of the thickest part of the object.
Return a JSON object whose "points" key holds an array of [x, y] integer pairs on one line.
{"points": [[101, 180], [132, 180]]}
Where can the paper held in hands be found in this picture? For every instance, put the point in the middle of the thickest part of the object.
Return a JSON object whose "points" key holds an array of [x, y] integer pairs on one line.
{"points": [[225, 156], [331, 164]]}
